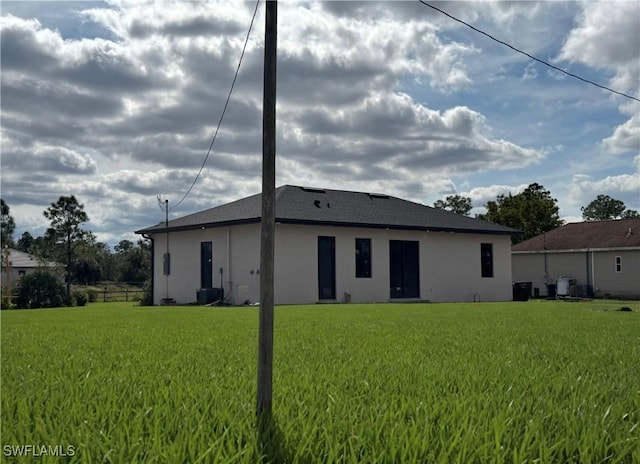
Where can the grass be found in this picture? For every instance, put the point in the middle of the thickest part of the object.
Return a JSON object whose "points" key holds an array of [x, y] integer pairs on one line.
{"points": [[540, 381]]}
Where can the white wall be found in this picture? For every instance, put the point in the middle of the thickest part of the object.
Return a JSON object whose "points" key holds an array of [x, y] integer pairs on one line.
{"points": [[449, 264], [240, 276]]}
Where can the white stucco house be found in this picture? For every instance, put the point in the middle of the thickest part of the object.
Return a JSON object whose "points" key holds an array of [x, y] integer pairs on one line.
{"points": [[594, 258], [332, 245]]}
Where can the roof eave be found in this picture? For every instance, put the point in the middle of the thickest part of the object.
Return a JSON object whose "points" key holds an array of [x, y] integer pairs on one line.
{"points": [[205, 225]]}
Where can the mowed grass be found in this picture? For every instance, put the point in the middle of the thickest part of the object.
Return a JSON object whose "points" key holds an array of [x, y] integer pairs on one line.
{"points": [[539, 381]]}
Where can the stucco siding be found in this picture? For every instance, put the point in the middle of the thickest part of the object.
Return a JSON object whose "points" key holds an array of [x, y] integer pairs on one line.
{"points": [[594, 267], [452, 268], [449, 264], [626, 282]]}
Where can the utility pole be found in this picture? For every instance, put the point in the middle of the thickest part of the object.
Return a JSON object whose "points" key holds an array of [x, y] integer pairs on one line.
{"points": [[6, 264], [267, 236]]}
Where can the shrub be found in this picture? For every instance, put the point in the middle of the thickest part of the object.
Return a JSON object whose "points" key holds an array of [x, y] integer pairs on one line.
{"points": [[40, 289], [92, 295], [147, 294], [80, 297]]}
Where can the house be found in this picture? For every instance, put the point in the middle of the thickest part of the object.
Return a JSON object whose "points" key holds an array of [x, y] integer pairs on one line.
{"points": [[16, 263], [599, 258], [332, 245]]}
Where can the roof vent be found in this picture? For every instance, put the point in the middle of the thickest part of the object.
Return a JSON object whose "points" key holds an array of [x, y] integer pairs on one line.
{"points": [[381, 196], [313, 190]]}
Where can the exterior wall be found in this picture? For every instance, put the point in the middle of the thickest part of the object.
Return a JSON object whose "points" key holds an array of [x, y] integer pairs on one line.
{"points": [[16, 272], [607, 281], [450, 267], [530, 267], [595, 268], [240, 277]]}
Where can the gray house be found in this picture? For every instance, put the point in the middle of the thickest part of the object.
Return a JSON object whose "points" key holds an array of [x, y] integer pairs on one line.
{"points": [[598, 258], [16, 263], [332, 245]]}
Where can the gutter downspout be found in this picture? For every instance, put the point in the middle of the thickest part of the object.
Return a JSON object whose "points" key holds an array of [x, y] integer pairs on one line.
{"points": [[546, 273], [153, 267], [593, 272], [229, 261]]}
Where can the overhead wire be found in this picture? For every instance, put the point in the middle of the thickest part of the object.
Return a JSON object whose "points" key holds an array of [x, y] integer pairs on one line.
{"points": [[528, 55], [224, 109]]}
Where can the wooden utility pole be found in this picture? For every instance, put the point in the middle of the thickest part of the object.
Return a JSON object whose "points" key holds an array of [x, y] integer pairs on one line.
{"points": [[6, 265], [267, 236]]}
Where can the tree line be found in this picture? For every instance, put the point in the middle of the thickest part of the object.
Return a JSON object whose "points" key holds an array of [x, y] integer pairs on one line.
{"points": [[534, 210], [86, 260]]}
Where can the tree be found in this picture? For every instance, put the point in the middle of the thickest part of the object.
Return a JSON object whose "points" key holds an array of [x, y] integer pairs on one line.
{"points": [[604, 207], [133, 261], [87, 267], [66, 215], [533, 211], [25, 242], [7, 225], [456, 204]]}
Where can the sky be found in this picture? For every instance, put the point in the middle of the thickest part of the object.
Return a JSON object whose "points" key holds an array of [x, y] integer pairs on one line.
{"points": [[117, 103]]}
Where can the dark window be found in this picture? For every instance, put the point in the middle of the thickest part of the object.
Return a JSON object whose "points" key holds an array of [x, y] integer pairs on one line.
{"points": [[618, 263], [363, 257], [166, 264], [486, 259]]}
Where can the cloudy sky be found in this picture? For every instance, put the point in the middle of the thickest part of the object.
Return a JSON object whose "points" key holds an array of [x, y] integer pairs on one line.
{"points": [[117, 102]]}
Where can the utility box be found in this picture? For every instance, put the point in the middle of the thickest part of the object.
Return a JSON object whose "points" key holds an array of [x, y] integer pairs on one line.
{"points": [[209, 295]]}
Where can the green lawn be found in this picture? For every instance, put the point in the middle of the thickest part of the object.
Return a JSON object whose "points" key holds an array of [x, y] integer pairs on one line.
{"points": [[539, 381]]}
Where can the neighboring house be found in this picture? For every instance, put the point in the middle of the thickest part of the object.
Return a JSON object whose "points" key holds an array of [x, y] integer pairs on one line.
{"points": [[599, 258], [19, 264], [332, 245]]}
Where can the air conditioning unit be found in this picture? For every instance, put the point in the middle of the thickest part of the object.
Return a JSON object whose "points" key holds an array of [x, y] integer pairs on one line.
{"points": [[209, 295]]}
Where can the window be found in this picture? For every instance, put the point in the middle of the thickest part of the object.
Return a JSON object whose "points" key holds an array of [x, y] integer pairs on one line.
{"points": [[618, 263], [363, 257], [166, 264], [486, 259]]}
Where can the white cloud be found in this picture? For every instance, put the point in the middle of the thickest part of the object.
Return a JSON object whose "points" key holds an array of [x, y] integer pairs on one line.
{"points": [[390, 97], [625, 138], [625, 187], [481, 195], [608, 35], [530, 72]]}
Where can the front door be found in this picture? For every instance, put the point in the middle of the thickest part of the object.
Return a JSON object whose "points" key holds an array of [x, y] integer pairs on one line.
{"points": [[327, 268], [206, 265], [404, 269]]}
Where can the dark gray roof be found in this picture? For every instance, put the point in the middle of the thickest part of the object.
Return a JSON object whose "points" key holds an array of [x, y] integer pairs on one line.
{"points": [[619, 233], [303, 205]]}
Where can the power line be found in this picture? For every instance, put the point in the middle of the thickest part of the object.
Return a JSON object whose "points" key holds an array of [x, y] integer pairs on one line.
{"points": [[528, 55], [226, 104]]}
